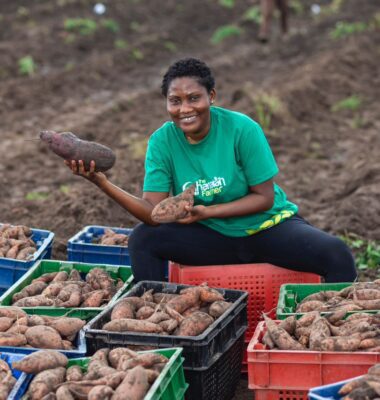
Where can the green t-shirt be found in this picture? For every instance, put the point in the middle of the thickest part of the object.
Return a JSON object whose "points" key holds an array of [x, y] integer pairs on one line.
{"points": [[233, 156]]}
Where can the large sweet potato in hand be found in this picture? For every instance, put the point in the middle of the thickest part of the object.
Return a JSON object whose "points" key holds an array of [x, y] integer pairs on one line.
{"points": [[70, 147], [173, 208]]}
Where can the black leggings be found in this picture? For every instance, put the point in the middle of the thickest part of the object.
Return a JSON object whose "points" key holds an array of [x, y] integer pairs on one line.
{"points": [[293, 244]]}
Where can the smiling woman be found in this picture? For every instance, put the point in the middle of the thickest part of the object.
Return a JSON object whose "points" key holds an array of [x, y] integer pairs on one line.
{"points": [[237, 214]]}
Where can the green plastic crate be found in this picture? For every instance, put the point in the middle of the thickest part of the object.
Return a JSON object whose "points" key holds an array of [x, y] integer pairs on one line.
{"points": [[170, 384], [45, 266], [292, 294]]}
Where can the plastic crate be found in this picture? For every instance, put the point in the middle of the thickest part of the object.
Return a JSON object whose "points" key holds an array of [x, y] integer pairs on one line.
{"points": [[301, 370], [291, 295], [44, 266], [281, 394], [218, 381], [12, 270], [261, 281], [81, 247], [199, 351], [170, 384], [329, 392]]}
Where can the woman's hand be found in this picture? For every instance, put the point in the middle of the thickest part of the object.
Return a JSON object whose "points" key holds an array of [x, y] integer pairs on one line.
{"points": [[196, 213], [78, 168]]}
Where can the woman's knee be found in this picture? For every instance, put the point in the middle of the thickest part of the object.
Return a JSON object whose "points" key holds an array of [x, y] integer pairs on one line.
{"points": [[339, 260], [140, 237]]}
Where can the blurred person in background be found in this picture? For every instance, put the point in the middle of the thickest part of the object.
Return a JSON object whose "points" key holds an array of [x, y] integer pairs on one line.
{"points": [[240, 215], [267, 10]]}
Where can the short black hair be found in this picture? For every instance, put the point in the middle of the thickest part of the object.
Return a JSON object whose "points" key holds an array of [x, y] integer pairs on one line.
{"points": [[188, 67]]}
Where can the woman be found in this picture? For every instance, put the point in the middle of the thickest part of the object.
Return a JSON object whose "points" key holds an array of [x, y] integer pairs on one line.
{"points": [[240, 215]]}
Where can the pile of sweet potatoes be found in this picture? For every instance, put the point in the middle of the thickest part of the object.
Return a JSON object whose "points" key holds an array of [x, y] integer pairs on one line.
{"points": [[111, 238], [7, 380], [188, 313], [358, 296], [15, 242], [366, 387], [18, 329], [331, 332], [119, 374], [63, 289]]}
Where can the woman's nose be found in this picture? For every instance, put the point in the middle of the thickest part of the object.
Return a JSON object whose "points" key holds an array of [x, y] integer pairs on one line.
{"points": [[185, 107]]}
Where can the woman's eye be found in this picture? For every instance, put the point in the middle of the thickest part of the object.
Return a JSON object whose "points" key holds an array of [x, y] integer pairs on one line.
{"points": [[194, 98], [174, 101]]}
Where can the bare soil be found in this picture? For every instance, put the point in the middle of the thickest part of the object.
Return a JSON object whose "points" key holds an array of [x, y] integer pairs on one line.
{"points": [[329, 161]]}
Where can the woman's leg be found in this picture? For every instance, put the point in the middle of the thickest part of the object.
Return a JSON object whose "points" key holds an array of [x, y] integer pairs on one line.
{"points": [[151, 246], [297, 245]]}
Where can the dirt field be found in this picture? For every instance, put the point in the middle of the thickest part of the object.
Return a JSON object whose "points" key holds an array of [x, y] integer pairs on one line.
{"points": [[105, 86]]}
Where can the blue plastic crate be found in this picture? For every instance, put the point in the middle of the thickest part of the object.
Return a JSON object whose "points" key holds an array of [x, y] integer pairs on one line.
{"points": [[9, 358], [328, 392], [81, 247], [79, 351], [12, 270]]}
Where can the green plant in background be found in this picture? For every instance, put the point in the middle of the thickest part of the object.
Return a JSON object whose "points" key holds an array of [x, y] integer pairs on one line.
{"points": [[135, 26], [366, 252], [343, 29], [225, 32], [137, 54], [297, 7], [266, 106], [351, 103], [253, 14], [26, 66], [36, 196], [227, 3], [111, 25], [120, 44], [83, 26], [170, 46], [65, 189]]}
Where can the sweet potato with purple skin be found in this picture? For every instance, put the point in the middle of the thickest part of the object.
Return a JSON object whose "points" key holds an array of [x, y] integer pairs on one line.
{"points": [[173, 208], [70, 147]]}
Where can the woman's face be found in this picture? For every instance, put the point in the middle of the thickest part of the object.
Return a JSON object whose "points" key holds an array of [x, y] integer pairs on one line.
{"points": [[188, 104]]}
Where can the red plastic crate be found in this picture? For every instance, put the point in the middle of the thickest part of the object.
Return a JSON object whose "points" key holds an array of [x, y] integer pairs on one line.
{"points": [[268, 394], [261, 281], [289, 370], [244, 364]]}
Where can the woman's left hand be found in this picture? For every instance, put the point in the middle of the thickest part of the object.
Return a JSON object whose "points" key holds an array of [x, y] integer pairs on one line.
{"points": [[196, 213]]}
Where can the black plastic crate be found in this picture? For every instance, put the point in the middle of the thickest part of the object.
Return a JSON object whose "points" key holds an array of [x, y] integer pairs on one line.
{"points": [[220, 380], [199, 351]]}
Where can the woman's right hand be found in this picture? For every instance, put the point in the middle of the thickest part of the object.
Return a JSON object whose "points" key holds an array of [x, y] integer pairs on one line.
{"points": [[78, 168]]}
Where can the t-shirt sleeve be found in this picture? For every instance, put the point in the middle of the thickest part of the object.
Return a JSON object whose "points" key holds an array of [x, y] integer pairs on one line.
{"points": [[158, 177], [255, 155]]}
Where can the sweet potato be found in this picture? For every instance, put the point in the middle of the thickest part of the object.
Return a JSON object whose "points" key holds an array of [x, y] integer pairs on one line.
{"points": [[45, 381], [44, 337], [115, 355], [12, 312], [143, 313], [172, 208], [134, 386], [40, 360], [70, 147], [132, 325], [319, 330], [123, 309], [195, 324], [47, 278], [5, 323], [63, 393], [169, 325], [35, 301], [340, 343], [100, 392], [6, 385], [218, 308], [74, 373], [66, 326], [94, 299], [12, 339], [209, 295], [280, 337], [163, 298]]}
